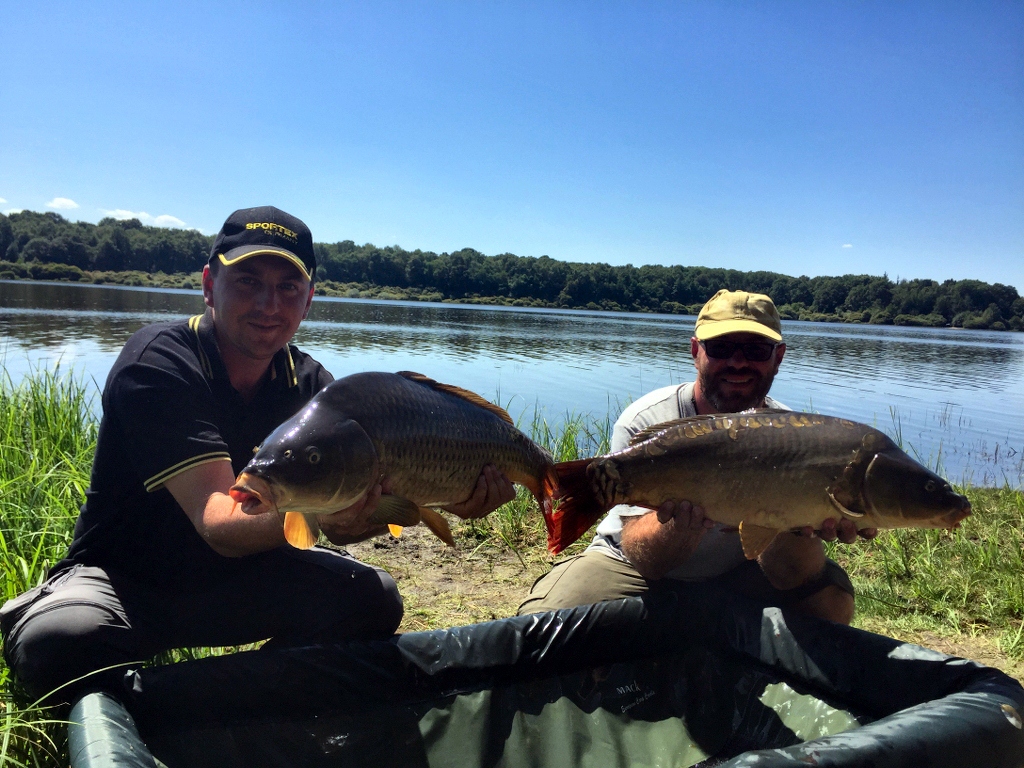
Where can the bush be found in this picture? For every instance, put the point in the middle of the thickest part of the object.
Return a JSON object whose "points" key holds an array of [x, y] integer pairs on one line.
{"points": [[14, 268], [881, 317], [929, 321], [975, 322], [55, 272]]}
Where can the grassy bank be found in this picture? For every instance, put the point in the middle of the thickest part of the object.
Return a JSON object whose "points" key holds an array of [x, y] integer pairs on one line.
{"points": [[952, 590]]}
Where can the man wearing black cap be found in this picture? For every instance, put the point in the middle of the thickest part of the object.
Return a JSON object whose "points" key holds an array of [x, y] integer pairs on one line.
{"points": [[162, 557]]}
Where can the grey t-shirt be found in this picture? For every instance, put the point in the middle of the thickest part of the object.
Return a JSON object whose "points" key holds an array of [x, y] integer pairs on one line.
{"points": [[718, 551]]}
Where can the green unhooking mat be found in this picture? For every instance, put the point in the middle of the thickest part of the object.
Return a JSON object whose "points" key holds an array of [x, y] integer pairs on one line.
{"points": [[684, 677]]}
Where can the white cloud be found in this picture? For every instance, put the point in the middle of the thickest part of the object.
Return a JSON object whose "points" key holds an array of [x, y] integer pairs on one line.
{"points": [[847, 245], [9, 211], [62, 204], [163, 220], [2, 201]]}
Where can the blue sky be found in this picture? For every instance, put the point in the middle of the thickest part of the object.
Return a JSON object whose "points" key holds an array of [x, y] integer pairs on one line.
{"points": [[813, 138]]}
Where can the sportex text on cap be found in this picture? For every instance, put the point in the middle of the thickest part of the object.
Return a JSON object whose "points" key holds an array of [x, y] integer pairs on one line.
{"points": [[738, 312], [252, 232]]}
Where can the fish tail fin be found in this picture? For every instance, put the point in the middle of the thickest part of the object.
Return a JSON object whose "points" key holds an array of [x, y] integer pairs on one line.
{"points": [[548, 490], [579, 507], [301, 531]]}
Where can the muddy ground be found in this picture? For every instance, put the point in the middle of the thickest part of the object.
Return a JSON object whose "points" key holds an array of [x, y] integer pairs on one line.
{"points": [[445, 587]]}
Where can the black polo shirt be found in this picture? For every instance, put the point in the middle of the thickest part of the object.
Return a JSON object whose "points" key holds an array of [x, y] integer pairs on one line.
{"points": [[168, 406]]}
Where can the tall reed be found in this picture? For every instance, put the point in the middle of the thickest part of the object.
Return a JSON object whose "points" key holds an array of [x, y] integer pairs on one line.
{"points": [[47, 440], [517, 525]]}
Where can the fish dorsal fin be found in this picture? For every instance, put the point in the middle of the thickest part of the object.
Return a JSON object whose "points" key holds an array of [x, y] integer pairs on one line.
{"points": [[301, 531], [465, 394], [707, 423], [435, 521], [395, 510], [656, 429], [755, 539]]}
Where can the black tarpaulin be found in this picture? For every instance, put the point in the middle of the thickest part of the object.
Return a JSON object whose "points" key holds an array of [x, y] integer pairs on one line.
{"points": [[676, 678]]}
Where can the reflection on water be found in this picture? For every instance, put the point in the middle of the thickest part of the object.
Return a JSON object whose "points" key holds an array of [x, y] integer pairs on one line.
{"points": [[954, 397]]}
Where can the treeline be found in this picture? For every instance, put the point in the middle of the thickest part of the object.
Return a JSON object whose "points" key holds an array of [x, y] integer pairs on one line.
{"points": [[47, 246]]}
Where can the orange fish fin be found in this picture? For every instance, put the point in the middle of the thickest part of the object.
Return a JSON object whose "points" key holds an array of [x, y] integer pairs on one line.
{"points": [[579, 508], [395, 510], [396, 530], [465, 394], [755, 539], [550, 490], [435, 521], [300, 531]]}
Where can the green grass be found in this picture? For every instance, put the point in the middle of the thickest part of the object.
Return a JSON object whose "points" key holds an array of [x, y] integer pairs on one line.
{"points": [[47, 439], [969, 582], [517, 526]]}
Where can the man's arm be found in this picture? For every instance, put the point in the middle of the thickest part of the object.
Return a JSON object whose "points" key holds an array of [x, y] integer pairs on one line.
{"points": [[659, 542], [202, 492]]}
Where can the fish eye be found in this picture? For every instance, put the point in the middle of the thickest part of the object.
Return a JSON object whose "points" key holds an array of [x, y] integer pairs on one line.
{"points": [[313, 455], [929, 486], [288, 453]]}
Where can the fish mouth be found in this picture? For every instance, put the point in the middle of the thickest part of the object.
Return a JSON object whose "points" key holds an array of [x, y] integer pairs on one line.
{"points": [[253, 494], [952, 519]]}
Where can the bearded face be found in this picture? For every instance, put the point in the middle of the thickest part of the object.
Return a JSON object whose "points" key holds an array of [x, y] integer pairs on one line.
{"points": [[736, 384], [735, 389]]}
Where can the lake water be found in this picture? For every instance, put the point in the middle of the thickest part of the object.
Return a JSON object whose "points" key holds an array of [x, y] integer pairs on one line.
{"points": [[955, 398]]}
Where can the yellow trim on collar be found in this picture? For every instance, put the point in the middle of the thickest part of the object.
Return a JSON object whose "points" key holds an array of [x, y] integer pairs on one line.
{"points": [[204, 361]]}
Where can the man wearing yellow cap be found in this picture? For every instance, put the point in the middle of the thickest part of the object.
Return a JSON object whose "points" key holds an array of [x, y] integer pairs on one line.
{"points": [[737, 349]]}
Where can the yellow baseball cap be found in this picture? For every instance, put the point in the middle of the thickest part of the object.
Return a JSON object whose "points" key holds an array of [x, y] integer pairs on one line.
{"points": [[738, 312]]}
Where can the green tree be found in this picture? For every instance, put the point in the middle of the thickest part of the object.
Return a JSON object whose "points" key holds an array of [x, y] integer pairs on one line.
{"points": [[6, 233]]}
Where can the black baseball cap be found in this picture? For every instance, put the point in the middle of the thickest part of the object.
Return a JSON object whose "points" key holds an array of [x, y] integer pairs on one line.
{"points": [[254, 231]]}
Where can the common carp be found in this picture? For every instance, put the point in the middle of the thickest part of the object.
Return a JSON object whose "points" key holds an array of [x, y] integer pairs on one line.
{"points": [[430, 440], [765, 471]]}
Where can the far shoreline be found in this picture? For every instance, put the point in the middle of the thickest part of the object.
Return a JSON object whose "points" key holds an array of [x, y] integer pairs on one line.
{"points": [[362, 292]]}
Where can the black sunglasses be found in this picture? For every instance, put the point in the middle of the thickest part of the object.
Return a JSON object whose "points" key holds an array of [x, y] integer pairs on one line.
{"points": [[753, 351]]}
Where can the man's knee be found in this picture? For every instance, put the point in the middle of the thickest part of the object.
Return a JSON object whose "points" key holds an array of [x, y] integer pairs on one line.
{"points": [[832, 603], [391, 607], [365, 606], [792, 560], [592, 577], [56, 644], [364, 603]]}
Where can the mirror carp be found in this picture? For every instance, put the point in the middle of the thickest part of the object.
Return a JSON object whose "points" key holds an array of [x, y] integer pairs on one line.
{"points": [[765, 471]]}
